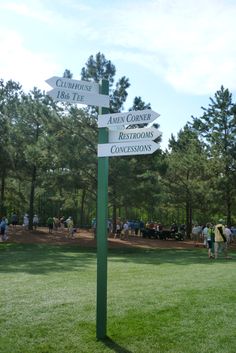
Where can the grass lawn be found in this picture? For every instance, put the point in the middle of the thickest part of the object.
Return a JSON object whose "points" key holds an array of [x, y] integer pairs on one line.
{"points": [[168, 301]]}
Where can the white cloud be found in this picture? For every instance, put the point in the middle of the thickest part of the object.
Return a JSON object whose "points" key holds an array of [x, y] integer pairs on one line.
{"points": [[32, 9], [189, 43], [21, 65]]}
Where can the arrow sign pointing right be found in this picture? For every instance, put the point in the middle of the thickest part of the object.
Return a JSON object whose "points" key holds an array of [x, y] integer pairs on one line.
{"points": [[134, 134], [126, 148], [130, 118]]}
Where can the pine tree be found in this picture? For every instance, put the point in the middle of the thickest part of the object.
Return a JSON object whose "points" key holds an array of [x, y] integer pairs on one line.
{"points": [[217, 127]]}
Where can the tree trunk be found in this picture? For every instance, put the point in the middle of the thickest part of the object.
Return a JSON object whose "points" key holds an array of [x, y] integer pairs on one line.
{"points": [[33, 182], [2, 196], [114, 209], [228, 206], [188, 218], [82, 208], [32, 192]]}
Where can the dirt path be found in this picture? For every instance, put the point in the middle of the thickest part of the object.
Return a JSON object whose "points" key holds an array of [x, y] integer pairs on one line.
{"points": [[85, 238]]}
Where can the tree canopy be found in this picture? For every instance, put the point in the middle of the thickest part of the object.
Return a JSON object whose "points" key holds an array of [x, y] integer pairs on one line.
{"points": [[48, 159]]}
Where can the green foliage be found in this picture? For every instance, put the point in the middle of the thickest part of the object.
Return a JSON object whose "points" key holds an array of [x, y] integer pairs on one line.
{"points": [[48, 158], [67, 74], [187, 174], [119, 95], [98, 68], [139, 104], [217, 127]]}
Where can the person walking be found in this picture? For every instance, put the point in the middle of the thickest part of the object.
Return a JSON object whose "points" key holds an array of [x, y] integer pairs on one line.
{"points": [[56, 223], [94, 227], [196, 234], [220, 240], [212, 232], [35, 221], [70, 226], [50, 224], [62, 223], [210, 241], [3, 229], [26, 221], [228, 234], [205, 235], [14, 220], [126, 230], [118, 229]]}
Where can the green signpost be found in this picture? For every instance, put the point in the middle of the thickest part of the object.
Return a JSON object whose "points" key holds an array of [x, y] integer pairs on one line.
{"points": [[85, 92], [102, 215], [140, 142]]}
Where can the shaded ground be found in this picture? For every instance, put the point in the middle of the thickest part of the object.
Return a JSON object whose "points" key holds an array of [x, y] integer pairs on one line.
{"points": [[85, 238]]}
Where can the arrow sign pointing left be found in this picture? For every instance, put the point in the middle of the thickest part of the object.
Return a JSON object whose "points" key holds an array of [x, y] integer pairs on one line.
{"points": [[127, 148], [73, 96], [75, 85]]}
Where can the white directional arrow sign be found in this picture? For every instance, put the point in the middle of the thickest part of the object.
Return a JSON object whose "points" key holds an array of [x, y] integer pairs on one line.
{"points": [[79, 97], [130, 118], [74, 85], [134, 134], [126, 149]]}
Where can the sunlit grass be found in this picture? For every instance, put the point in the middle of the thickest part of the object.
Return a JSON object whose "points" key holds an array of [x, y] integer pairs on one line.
{"points": [[169, 301]]}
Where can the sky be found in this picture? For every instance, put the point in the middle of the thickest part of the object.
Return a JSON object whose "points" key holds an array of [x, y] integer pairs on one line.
{"points": [[176, 53]]}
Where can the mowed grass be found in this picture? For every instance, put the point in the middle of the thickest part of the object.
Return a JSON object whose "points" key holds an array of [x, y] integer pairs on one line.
{"points": [[168, 301]]}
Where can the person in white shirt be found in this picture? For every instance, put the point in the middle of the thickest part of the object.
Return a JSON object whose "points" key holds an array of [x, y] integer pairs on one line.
{"points": [[126, 230], [196, 231], [35, 221], [205, 234], [228, 234], [26, 221]]}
